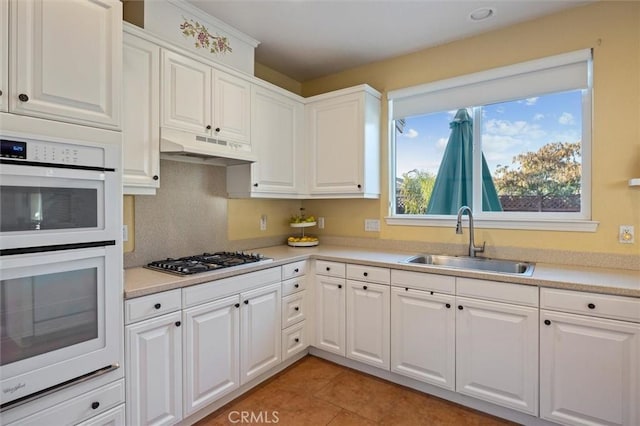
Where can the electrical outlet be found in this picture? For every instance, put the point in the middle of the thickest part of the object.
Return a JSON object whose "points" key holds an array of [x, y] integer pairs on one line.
{"points": [[263, 222], [321, 223], [372, 225], [125, 233], [626, 234]]}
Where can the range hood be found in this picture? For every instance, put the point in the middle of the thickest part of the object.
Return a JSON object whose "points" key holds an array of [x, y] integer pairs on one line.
{"points": [[179, 145]]}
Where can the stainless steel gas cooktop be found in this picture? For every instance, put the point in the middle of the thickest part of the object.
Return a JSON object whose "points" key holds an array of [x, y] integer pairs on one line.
{"points": [[207, 262]]}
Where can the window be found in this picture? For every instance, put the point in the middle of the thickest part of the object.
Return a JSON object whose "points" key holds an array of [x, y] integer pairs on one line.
{"points": [[512, 143]]}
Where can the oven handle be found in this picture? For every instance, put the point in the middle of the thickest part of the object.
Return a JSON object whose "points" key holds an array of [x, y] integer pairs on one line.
{"points": [[57, 247], [56, 165]]}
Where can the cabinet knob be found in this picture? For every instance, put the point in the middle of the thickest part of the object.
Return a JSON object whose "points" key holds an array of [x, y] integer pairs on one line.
{"points": [[591, 306], [296, 270], [339, 285], [328, 269], [0, 92], [297, 308], [157, 306], [366, 274], [23, 97], [364, 287], [448, 305], [296, 340], [460, 307], [217, 129], [237, 305], [296, 285], [246, 302], [178, 323], [547, 322], [208, 127], [255, 184], [359, 186], [156, 177], [95, 405]]}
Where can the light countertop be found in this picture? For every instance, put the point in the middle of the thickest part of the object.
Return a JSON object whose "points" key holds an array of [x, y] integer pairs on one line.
{"points": [[140, 281]]}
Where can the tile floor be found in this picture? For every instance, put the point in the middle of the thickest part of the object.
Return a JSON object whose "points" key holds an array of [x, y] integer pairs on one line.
{"points": [[318, 392]]}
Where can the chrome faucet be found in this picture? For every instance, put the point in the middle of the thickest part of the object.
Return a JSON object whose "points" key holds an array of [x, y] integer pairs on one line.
{"points": [[472, 246]]}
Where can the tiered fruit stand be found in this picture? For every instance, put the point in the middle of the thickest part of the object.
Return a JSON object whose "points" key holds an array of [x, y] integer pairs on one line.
{"points": [[302, 240]]}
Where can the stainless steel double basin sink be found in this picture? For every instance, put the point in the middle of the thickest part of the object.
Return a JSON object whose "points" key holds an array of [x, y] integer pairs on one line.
{"points": [[472, 264]]}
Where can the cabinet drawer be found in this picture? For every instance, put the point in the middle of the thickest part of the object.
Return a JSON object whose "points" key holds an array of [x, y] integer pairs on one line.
{"points": [[331, 269], [294, 308], [79, 408], [294, 340], [370, 274], [293, 285], [501, 292], [113, 417], [423, 281], [152, 306], [293, 270], [597, 305]]}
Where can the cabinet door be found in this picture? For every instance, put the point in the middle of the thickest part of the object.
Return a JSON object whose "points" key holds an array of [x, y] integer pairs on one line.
{"points": [[261, 333], [4, 54], [276, 129], [154, 371], [330, 314], [67, 60], [423, 336], [232, 107], [497, 353], [336, 135], [589, 370], [368, 323], [186, 94], [211, 352], [141, 115]]}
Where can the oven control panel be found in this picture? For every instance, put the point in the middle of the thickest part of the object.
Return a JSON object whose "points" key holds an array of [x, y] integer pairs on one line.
{"points": [[52, 152]]}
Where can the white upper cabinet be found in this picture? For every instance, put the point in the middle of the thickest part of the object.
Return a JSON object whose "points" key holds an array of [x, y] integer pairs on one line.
{"points": [[186, 94], [141, 116], [343, 132], [277, 139], [200, 99], [231, 108], [66, 60], [4, 54]]}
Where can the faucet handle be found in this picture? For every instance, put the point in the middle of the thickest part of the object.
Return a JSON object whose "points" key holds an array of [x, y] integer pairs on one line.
{"points": [[480, 249]]}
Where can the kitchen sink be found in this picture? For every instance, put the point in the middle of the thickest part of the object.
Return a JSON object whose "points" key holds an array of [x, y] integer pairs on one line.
{"points": [[472, 263]]}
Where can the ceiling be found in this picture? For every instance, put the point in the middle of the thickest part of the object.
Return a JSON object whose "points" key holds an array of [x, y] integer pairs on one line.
{"points": [[306, 39]]}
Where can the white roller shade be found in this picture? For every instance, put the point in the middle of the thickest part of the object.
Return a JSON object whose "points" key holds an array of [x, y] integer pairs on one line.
{"points": [[569, 71]]}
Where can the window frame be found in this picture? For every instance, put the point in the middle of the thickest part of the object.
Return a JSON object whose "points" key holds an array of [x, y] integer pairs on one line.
{"points": [[579, 221]]}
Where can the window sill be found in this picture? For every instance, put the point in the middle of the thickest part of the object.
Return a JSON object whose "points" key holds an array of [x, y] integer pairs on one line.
{"points": [[574, 225]]}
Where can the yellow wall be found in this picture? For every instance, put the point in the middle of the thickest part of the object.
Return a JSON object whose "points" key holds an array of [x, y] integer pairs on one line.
{"points": [[244, 217], [272, 76], [612, 29]]}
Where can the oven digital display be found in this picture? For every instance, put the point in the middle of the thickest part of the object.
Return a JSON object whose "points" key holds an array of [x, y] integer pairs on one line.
{"points": [[13, 149]]}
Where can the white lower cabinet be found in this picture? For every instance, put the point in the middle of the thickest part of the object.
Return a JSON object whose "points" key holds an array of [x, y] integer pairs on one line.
{"points": [[497, 353], [154, 371], [423, 336], [211, 352], [261, 331], [367, 323], [330, 314], [589, 370]]}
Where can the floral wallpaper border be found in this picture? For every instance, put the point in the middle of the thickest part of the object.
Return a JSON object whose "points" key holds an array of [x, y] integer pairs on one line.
{"points": [[203, 39]]}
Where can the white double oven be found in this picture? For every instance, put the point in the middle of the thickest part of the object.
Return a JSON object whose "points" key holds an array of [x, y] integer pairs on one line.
{"points": [[60, 256]]}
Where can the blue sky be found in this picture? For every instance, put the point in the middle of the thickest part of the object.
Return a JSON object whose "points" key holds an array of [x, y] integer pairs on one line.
{"points": [[509, 128]]}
